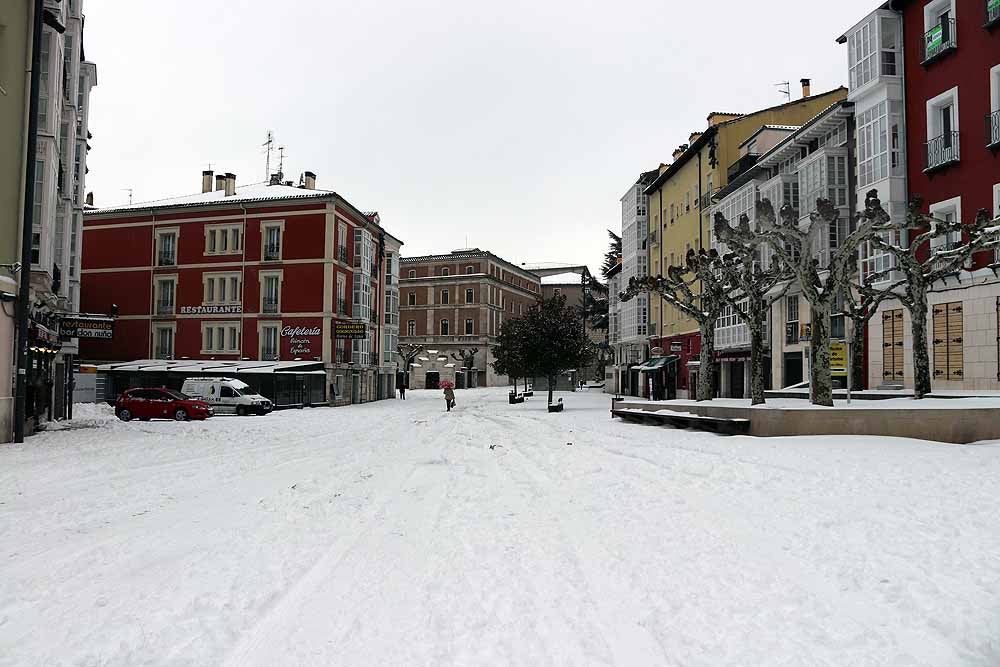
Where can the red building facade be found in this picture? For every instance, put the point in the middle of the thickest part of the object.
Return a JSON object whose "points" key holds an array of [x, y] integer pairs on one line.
{"points": [[256, 273]]}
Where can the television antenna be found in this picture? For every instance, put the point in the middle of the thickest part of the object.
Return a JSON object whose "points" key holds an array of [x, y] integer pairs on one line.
{"points": [[784, 87], [129, 191], [269, 144]]}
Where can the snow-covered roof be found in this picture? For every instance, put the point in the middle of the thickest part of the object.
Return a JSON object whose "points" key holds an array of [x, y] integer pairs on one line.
{"points": [[246, 193], [562, 279], [194, 366]]}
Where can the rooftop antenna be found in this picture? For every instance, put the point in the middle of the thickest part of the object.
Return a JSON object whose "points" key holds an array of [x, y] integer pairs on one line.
{"points": [[268, 144], [129, 191], [281, 162], [785, 89]]}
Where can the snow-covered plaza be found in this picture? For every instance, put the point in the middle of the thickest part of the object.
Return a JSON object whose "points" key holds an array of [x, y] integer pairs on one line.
{"points": [[395, 533]]}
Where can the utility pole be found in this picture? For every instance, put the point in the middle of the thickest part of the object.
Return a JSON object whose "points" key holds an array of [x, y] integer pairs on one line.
{"points": [[21, 384]]}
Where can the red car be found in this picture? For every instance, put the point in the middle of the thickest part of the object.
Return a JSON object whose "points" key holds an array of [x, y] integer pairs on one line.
{"points": [[146, 404]]}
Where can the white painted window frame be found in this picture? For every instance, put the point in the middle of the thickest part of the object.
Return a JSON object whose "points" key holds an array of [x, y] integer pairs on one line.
{"points": [[262, 279], [262, 325], [933, 108], [225, 325], [221, 275], [160, 233]]}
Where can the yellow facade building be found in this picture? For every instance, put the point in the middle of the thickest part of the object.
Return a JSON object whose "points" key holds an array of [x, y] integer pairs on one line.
{"points": [[679, 202]]}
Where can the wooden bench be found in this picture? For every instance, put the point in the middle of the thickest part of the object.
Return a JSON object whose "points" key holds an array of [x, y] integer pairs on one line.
{"points": [[556, 407], [722, 425], [513, 398]]}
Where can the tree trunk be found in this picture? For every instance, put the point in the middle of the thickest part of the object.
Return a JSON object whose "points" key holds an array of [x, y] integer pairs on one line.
{"points": [[857, 369], [921, 358], [820, 379], [551, 385], [755, 309], [706, 358]]}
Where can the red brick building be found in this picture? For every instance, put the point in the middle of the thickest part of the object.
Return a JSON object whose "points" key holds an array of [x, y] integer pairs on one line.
{"points": [[263, 272], [458, 301]]}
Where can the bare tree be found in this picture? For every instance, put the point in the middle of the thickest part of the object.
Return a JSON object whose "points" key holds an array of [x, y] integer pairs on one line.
{"points": [[758, 284], [922, 263], [468, 359], [409, 352], [703, 306], [797, 246]]}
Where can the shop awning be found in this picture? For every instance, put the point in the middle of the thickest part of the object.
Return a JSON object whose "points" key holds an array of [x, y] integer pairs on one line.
{"points": [[656, 363]]}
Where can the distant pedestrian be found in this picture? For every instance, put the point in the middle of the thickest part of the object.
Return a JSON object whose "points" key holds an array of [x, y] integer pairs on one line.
{"points": [[449, 397], [401, 385]]}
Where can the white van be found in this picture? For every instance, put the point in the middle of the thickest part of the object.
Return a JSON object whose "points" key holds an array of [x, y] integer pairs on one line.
{"points": [[227, 395]]}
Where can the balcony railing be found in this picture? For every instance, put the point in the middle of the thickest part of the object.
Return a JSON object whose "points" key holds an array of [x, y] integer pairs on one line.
{"points": [[270, 305], [164, 307], [942, 150], [993, 126], [163, 353], [940, 40], [272, 252], [166, 259], [992, 13], [269, 354], [741, 165]]}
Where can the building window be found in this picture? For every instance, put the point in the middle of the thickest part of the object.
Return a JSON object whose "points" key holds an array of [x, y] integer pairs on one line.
{"points": [[341, 294], [362, 298], [342, 242], [44, 82], [993, 120], [411, 328], [879, 143], [469, 270], [270, 292], [837, 321], [224, 240], [949, 210], [392, 308], [361, 351], [166, 247], [468, 328], [166, 290], [444, 297], [411, 299], [939, 27], [411, 274], [220, 337], [947, 341], [271, 240], [36, 224], [469, 296], [444, 271], [163, 341], [269, 338], [890, 46], [942, 129], [444, 328], [222, 288], [791, 320]]}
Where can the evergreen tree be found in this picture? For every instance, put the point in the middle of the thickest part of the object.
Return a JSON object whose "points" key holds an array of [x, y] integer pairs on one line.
{"points": [[510, 352], [554, 340], [613, 256]]}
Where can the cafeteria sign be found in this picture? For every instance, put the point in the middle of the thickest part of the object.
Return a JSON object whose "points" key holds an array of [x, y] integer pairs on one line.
{"points": [[345, 330], [87, 327]]}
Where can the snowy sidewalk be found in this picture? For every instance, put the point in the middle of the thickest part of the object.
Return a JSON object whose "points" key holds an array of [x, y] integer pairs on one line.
{"points": [[391, 534]]}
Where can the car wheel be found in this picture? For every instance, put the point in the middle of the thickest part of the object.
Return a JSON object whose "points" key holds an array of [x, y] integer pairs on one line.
{"points": [[181, 415], [125, 414], [241, 411]]}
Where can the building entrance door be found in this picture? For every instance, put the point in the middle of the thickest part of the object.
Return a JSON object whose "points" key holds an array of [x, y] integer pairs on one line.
{"points": [[432, 379], [792, 369]]}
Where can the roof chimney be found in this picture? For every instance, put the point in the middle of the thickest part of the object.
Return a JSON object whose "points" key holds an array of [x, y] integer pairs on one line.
{"points": [[220, 182], [805, 87], [679, 151], [230, 184], [206, 180], [90, 199], [693, 137], [310, 180]]}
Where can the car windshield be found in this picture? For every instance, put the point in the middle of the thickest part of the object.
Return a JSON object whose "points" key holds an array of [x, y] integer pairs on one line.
{"points": [[176, 395]]}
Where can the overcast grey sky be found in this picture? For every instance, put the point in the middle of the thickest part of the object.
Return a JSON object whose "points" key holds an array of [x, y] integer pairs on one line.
{"points": [[511, 126]]}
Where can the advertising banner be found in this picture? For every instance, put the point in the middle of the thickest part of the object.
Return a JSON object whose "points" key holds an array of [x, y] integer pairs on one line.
{"points": [[348, 330]]}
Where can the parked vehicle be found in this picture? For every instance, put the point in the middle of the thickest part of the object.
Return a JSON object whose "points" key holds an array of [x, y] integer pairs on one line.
{"points": [[146, 404], [227, 395]]}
